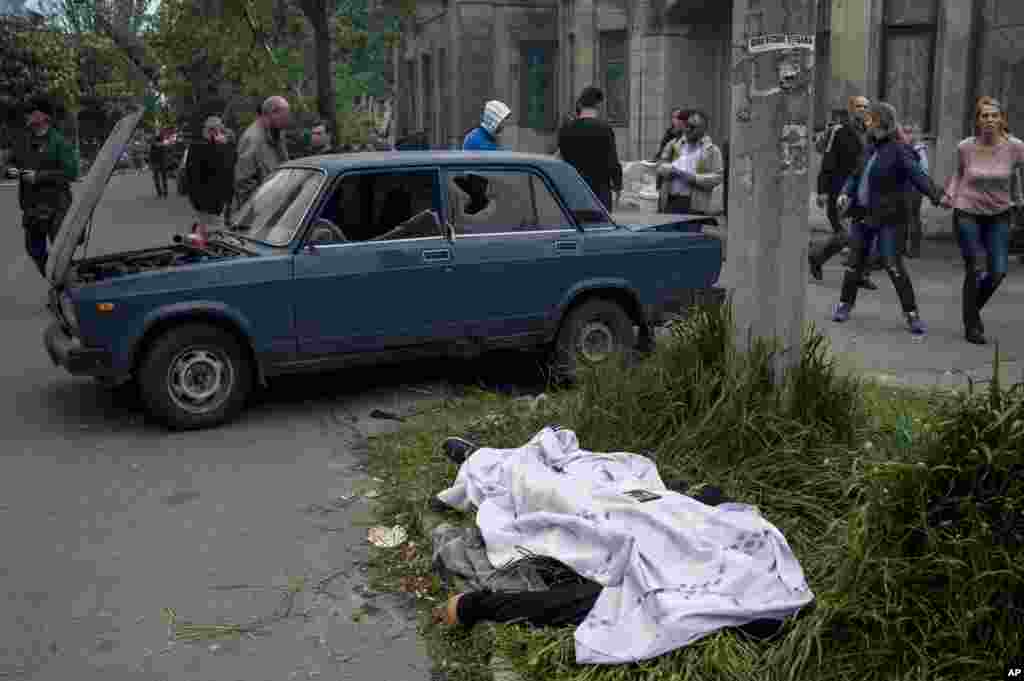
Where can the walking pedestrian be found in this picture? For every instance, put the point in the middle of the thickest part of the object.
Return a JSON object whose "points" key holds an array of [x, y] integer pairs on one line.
{"points": [[875, 197], [980, 192], [209, 172], [320, 140], [692, 165], [485, 136], [842, 157], [588, 144], [48, 165], [159, 155], [674, 132], [261, 148]]}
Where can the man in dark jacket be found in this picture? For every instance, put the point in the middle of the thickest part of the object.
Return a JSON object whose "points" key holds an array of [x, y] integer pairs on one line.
{"points": [[841, 159], [159, 155], [210, 174], [588, 144], [48, 165]]}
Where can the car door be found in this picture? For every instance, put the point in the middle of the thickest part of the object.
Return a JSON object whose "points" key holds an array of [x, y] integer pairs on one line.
{"points": [[386, 285], [517, 252]]}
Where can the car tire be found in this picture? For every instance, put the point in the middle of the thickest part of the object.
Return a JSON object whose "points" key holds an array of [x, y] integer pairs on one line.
{"points": [[195, 376], [591, 334]]}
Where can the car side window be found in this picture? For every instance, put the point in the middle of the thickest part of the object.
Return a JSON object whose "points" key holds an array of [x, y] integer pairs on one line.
{"points": [[494, 202], [385, 206]]}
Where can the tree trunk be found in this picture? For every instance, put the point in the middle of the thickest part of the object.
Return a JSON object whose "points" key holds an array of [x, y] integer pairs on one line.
{"points": [[316, 12]]}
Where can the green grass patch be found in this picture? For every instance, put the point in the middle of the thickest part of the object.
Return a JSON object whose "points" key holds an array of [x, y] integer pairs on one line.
{"points": [[848, 469]]}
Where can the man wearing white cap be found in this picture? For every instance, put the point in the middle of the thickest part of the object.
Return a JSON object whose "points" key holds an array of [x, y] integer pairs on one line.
{"points": [[485, 137]]}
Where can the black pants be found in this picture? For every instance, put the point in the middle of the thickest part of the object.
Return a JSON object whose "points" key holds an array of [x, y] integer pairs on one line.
{"points": [[910, 240], [822, 253], [160, 180], [862, 238], [679, 205], [41, 225]]}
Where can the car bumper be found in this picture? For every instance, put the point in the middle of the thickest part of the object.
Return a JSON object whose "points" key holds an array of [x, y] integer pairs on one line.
{"points": [[67, 351]]}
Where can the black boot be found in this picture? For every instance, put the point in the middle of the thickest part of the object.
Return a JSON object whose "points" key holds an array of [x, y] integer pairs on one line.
{"points": [[457, 449], [972, 318]]}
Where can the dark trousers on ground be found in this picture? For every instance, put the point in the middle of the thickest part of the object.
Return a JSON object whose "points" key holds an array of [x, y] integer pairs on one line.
{"points": [[982, 238], [839, 240], [160, 180], [862, 239]]}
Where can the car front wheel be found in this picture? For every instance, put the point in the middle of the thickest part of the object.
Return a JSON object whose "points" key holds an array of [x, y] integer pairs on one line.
{"points": [[195, 376], [593, 333]]}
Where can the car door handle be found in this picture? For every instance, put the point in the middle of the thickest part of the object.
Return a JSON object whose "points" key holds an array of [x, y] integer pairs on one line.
{"points": [[437, 255], [564, 246]]}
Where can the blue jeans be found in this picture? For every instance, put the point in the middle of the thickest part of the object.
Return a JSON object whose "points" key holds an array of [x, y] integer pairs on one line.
{"points": [[985, 237], [982, 237]]}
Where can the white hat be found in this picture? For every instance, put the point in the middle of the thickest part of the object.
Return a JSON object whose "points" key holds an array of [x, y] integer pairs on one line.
{"points": [[495, 113]]}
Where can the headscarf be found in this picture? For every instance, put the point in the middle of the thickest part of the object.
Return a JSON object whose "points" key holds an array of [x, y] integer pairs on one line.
{"points": [[495, 113]]}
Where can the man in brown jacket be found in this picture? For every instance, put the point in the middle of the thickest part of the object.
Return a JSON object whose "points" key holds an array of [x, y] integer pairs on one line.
{"points": [[261, 148]]}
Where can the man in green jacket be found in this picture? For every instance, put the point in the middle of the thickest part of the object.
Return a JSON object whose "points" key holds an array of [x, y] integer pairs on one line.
{"points": [[48, 165]]}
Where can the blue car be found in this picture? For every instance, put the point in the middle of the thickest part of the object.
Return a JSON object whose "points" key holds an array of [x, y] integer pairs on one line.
{"points": [[366, 258]]}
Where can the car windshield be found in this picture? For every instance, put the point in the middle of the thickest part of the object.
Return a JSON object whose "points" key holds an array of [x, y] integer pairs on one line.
{"points": [[273, 214]]}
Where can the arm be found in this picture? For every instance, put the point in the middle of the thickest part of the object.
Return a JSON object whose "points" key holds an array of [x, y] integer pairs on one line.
{"points": [[919, 178], [615, 168], [713, 166], [247, 170]]}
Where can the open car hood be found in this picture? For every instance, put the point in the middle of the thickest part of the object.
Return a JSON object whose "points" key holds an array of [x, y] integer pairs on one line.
{"points": [[89, 193]]}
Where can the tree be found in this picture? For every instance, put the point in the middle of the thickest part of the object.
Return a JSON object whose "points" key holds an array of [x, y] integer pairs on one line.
{"points": [[318, 13]]}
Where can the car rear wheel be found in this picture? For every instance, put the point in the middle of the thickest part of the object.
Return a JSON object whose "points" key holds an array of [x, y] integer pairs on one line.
{"points": [[592, 334], [195, 376]]}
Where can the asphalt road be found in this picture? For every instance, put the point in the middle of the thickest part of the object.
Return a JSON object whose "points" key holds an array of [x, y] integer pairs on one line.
{"points": [[105, 519]]}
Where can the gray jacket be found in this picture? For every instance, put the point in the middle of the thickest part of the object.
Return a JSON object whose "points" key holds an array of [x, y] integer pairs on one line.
{"points": [[258, 156]]}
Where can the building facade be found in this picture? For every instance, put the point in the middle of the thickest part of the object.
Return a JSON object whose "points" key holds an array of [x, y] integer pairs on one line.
{"points": [[929, 58]]}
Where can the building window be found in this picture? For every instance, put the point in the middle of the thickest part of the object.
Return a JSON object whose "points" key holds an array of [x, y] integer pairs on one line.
{"points": [[908, 59], [537, 86], [615, 76]]}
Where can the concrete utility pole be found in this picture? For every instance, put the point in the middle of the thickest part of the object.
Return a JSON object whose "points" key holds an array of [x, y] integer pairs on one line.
{"points": [[772, 119]]}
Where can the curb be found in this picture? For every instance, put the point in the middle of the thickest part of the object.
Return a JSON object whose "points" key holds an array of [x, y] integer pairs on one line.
{"points": [[501, 668]]}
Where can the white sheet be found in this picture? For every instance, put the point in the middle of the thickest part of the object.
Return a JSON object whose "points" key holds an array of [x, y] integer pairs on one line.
{"points": [[674, 569]]}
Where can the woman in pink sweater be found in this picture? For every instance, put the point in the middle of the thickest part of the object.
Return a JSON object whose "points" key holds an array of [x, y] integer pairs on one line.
{"points": [[980, 191]]}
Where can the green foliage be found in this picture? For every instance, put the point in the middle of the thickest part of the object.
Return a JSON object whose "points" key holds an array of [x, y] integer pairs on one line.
{"points": [[852, 472]]}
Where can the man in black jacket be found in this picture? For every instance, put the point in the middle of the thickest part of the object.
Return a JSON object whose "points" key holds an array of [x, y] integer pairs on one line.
{"points": [[588, 144], [210, 174], [679, 118], [841, 159], [48, 165]]}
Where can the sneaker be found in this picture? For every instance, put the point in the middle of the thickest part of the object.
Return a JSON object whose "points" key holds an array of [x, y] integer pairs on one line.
{"points": [[917, 327], [976, 337], [841, 313], [457, 449]]}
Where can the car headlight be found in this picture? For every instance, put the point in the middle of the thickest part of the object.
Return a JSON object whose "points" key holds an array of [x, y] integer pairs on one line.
{"points": [[67, 310]]}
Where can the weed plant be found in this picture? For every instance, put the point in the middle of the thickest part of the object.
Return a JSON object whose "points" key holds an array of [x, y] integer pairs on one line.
{"points": [[904, 507]]}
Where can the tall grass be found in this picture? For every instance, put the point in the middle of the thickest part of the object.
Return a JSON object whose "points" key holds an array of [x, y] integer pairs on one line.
{"points": [[859, 477]]}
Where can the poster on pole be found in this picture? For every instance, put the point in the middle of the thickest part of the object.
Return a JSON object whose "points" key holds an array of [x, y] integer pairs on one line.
{"points": [[773, 42]]}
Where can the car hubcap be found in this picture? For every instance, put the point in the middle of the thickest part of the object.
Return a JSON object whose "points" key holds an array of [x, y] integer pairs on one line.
{"points": [[597, 342], [199, 380]]}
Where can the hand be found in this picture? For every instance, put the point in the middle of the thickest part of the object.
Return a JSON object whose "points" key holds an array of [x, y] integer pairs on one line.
{"points": [[945, 201], [28, 175], [842, 203], [822, 201]]}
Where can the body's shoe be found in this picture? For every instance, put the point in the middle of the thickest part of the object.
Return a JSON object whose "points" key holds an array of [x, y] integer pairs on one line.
{"points": [[916, 326], [867, 283], [457, 449], [975, 336], [841, 313]]}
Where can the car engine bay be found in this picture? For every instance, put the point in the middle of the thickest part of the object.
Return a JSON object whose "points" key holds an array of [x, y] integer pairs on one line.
{"points": [[135, 262]]}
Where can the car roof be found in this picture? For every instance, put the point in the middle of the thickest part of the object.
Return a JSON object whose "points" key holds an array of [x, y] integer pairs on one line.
{"points": [[338, 163]]}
